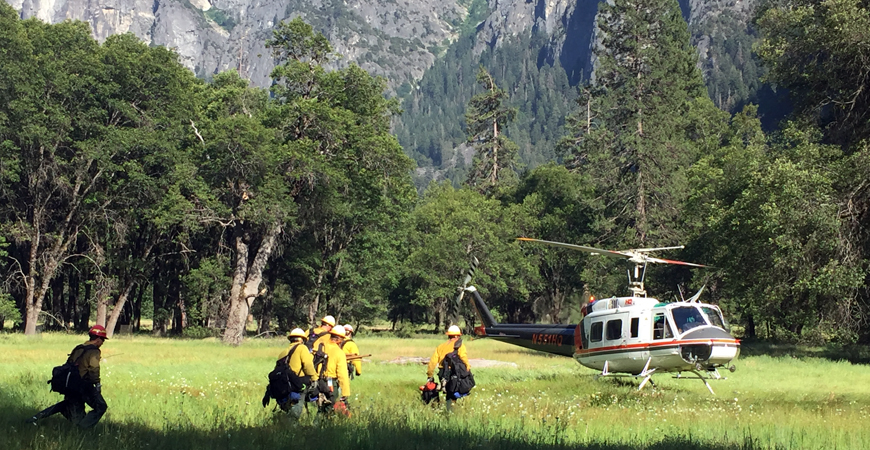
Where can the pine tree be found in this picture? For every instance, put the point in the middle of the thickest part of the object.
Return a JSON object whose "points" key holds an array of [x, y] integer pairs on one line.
{"points": [[635, 129], [486, 118]]}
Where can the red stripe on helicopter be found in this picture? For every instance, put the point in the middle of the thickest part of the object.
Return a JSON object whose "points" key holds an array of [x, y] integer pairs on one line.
{"points": [[590, 351]]}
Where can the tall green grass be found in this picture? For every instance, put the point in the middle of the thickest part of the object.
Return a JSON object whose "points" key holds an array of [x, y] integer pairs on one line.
{"points": [[165, 393]]}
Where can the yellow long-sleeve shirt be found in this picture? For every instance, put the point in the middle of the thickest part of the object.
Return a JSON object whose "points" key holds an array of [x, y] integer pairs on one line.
{"points": [[350, 348], [437, 359], [89, 363], [301, 362], [336, 367], [321, 340]]}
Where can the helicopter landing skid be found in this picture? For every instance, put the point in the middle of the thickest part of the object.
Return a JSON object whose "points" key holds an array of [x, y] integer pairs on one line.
{"points": [[714, 375], [646, 374]]}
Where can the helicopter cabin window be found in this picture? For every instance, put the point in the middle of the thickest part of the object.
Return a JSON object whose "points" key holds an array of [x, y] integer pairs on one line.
{"points": [[635, 325], [714, 316], [614, 329], [687, 317], [596, 332], [661, 327]]}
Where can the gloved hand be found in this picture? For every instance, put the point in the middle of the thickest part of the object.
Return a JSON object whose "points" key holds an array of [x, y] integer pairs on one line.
{"points": [[430, 380], [313, 394]]}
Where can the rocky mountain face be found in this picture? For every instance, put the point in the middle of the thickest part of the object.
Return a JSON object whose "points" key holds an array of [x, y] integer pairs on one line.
{"points": [[394, 38], [398, 39]]}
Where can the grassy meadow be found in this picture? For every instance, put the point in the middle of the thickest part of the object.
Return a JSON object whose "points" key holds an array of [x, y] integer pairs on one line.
{"points": [[199, 394]]}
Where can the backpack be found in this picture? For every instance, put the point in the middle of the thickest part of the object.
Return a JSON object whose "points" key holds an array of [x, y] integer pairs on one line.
{"points": [[459, 379], [283, 381], [65, 379], [313, 337], [320, 361]]}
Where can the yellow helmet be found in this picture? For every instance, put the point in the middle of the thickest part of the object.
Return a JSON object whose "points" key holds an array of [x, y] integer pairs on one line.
{"points": [[329, 320], [338, 331], [454, 331], [296, 333]]}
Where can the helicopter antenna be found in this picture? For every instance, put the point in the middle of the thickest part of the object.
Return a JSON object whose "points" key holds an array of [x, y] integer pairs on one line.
{"points": [[694, 298]]}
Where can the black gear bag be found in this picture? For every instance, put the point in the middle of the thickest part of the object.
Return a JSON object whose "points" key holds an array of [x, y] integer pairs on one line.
{"points": [[65, 379], [283, 381], [459, 379]]}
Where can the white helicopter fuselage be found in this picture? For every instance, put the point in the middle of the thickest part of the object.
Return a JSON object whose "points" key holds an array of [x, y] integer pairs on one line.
{"points": [[634, 335]]}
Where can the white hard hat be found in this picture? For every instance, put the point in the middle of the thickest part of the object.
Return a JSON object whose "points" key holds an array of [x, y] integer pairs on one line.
{"points": [[329, 320], [348, 328], [454, 331], [338, 331]]}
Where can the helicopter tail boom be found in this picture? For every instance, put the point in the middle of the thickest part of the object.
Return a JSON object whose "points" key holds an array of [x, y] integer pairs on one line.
{"points": [[483, 313]]}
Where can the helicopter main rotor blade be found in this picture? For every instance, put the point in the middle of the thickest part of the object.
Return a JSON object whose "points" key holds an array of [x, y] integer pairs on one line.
{"points": [[454, 309], [638, 256], [671, 261], [593, 250]]}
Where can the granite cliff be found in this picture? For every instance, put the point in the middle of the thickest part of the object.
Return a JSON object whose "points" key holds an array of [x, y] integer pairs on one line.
{"points": [[398, 39]]}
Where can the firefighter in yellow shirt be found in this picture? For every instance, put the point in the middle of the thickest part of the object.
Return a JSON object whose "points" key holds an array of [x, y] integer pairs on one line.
{"points": [[334, 382], [320, 335], [301, 363], [454, 343], [350, 348]]}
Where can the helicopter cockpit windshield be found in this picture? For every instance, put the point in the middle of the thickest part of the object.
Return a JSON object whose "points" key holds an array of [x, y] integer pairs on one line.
{"points": [[714, 316], [687, 317]]}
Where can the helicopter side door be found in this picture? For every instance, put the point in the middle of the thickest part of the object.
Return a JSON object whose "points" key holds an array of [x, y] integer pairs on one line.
{"points": [[617, 336], [661, 325]]}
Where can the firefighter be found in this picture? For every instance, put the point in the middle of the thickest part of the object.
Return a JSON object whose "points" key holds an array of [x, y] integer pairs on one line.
{"points": [[301, 363], [320, 335], [354, 367], [72, 407], [454, 343], [334, 382]]}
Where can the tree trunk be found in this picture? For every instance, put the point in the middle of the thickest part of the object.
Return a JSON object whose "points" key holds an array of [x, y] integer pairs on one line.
{"points": [[137, 309], [264, 323], [180, 316], [58, 320], [85, 303], [315, 304], [73, 294], [119, 307], [104, 293], [174, 303], [246, 283]]}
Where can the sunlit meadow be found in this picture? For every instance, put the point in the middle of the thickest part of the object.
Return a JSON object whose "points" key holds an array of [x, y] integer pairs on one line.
{"points": [[167, 394]]}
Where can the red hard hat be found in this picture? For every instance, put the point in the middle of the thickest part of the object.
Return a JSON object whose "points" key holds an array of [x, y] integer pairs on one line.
{"points": [[99, 331]]}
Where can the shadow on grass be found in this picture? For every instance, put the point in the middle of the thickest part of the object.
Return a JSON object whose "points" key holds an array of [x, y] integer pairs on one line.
{"points": [[390, 433], [856, 354]]}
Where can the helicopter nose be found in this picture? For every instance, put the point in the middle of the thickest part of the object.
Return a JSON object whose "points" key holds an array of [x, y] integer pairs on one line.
{"points": [[708, 333], [713, 347]]}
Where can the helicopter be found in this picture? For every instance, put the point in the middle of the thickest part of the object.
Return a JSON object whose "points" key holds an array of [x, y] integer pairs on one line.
{"points": [[634, 336]]}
